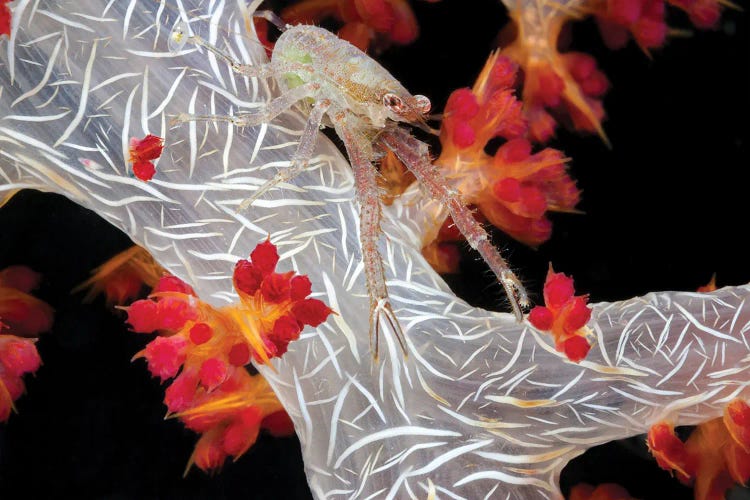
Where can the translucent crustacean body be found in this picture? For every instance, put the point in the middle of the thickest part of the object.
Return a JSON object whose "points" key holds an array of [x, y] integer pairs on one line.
{"points": [[364, 103], [484, 406]]}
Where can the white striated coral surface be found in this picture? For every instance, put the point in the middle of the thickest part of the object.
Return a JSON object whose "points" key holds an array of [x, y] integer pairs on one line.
{"points": [[483, 406]]}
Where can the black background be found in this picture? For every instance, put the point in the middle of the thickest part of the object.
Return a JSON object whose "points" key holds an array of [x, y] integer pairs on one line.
{"points": [[665, 208]]}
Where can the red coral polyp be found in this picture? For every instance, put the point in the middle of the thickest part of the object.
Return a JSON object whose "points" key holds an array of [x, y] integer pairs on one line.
{"points": [[564, 315], [142, 316], [146, 149], [5, 18], [144, 170], [167, 313], [200, 333], [24, 315], [22, 318], [212, 373], [247, 278], [21, 278], [606, 491], [181, 392], [241, 433], [737, 421], [170, 283], [276, 288], [142, 154], [558, 290], [300, 287], [165, 356], [20, 313], [18, 356], [278, 424]]}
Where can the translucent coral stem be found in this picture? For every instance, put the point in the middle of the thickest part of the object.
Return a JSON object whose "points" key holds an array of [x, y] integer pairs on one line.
{"points": [[483, 404]]}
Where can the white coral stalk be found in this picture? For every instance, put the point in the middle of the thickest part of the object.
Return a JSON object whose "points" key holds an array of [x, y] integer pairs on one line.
{"points": [[482, 406]]}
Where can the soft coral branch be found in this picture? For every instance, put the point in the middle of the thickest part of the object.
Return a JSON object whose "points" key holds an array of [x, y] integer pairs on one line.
{"points": [[477, 382]]}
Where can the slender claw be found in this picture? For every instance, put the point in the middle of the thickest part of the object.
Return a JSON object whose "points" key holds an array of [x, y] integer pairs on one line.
{"points": [[179, 119], [519, 300], [383, 306], [257, 194], [285, 175]]}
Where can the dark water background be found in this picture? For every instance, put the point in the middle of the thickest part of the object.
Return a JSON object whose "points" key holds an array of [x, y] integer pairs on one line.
{"points": [[665, 208]]}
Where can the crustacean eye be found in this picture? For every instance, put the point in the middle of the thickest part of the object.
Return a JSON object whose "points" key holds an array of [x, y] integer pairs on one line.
{"points": [[394, 103], [422, 104]]}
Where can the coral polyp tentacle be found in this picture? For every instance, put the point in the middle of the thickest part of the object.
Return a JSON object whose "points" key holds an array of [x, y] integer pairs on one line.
{"points": [[483, 406]]}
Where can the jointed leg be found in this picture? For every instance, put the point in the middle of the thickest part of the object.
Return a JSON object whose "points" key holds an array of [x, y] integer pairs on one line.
{"points": [[368, 197], [261, 115], [416, 158], [301, 157], [179, 38], [249, 11]]}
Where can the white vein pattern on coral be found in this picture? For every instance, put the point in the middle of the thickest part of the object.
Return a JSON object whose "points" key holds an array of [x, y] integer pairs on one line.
{"points": [[482, 407]]}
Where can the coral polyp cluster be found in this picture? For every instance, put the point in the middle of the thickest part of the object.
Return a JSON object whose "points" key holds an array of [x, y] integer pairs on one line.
{"points": [[206, 351], [482, 405], [561, 85], [714, 457], [565, 315], [22, 318], [364, 22], [515, 188]]}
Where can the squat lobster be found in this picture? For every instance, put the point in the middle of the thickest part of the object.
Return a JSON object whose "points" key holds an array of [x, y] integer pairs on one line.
{"points": [[365, 104]]}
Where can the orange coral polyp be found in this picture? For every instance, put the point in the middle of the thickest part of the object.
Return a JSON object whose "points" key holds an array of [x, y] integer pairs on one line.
{"points": [[121, 278], [669, 451], [737, 421], [713, 457], [22, 314]]}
